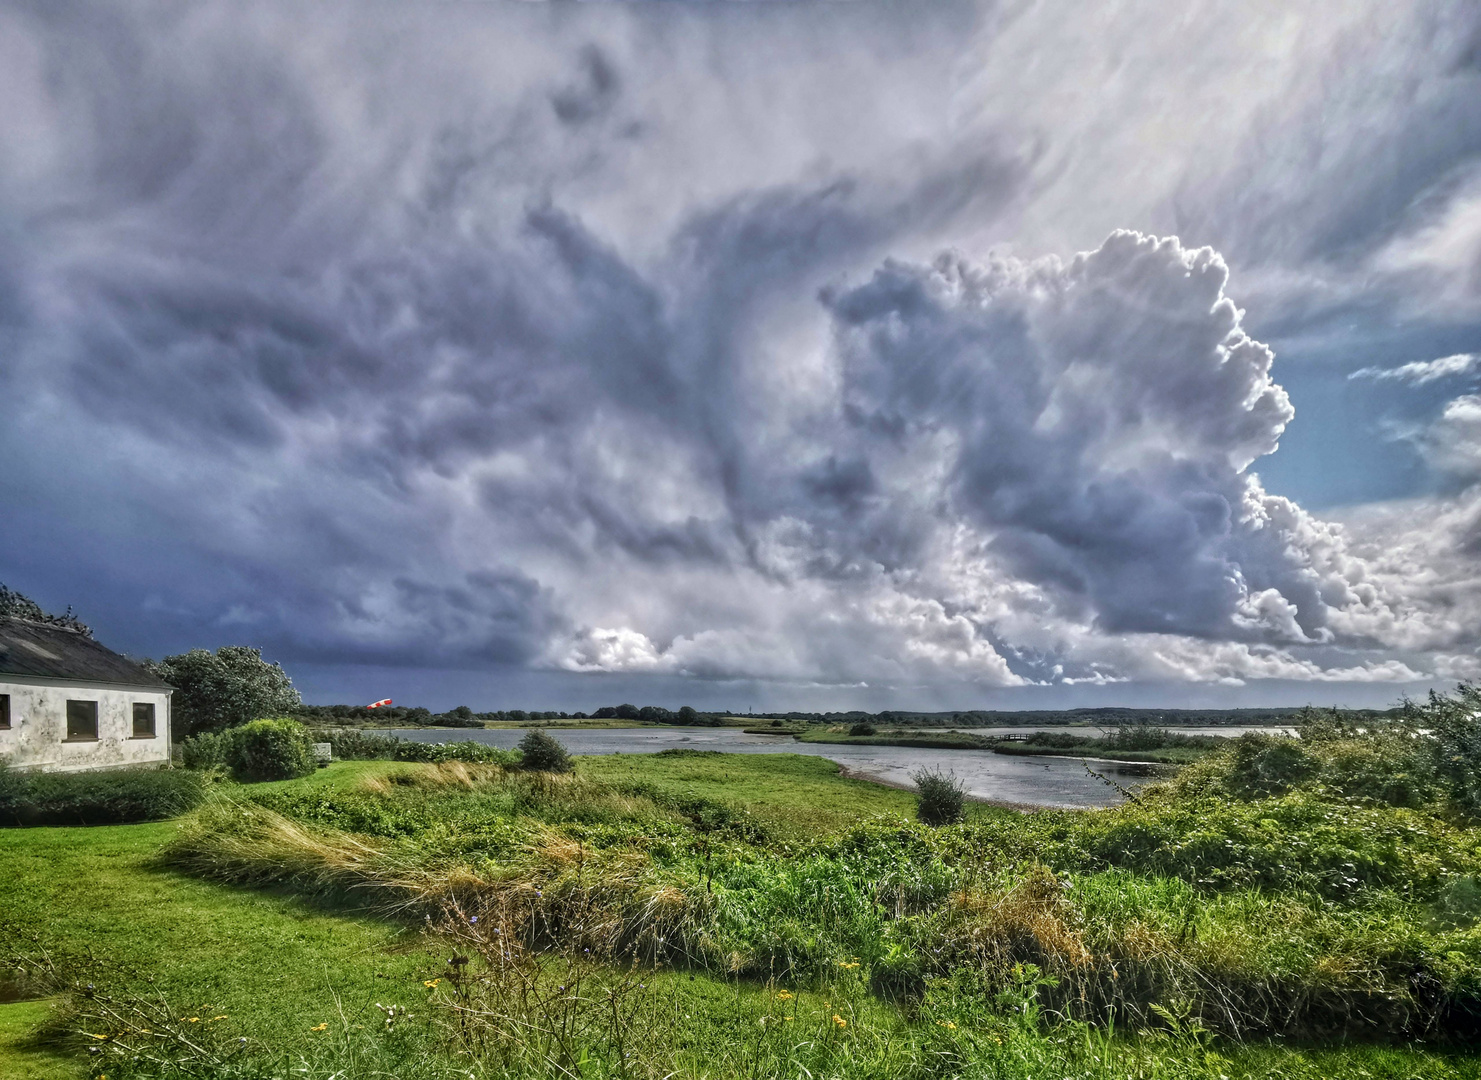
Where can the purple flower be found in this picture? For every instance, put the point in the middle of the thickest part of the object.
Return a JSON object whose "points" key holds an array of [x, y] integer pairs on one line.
{"points": [[473, 919]]}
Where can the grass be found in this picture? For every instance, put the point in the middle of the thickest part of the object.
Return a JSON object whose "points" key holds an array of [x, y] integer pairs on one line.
{"points": [[940, 740], [1157, 747], [1172, 755], [798, 795], [766, 887], [94, 900]]}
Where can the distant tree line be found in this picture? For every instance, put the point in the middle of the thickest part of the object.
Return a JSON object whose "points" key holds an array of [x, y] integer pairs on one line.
{"points": [[460, 717], [657, 714]]}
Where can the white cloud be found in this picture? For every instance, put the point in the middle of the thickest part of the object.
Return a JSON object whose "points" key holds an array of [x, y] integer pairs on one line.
{"points": [[1420, 372]]}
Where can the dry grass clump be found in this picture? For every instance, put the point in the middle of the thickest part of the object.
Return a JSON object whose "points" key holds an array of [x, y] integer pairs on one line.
{"points": [[615, 902], [430, 777]]}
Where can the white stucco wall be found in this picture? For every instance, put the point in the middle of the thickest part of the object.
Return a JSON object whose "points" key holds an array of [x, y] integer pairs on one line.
{"points": [[37, 738]]}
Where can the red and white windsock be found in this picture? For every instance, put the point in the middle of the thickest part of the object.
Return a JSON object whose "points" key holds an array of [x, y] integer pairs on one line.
{"points": [[378, 704]]}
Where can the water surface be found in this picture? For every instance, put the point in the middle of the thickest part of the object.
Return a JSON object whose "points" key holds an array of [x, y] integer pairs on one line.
{"points": [[1038, 781]]}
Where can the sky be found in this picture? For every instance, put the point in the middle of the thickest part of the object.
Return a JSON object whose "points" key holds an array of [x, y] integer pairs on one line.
{"points": [[752, 355]]}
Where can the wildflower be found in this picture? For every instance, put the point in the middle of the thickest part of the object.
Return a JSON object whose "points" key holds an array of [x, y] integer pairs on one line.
{"points": [[840, 1021], [195, 1020], [848, 967], [947, 1024], [215, 1018], [319, 1027], [473, 919], [785, 995], [429, 983]]}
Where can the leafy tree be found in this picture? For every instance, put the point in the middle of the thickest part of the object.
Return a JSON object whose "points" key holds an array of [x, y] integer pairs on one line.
{"points": [[232, 686], [14, 605], [687, 715]]}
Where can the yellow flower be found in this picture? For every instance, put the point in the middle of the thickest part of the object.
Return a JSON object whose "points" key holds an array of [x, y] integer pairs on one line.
{"points": [[320, 1027], [429, 983], [195, 1019], [785, 995], [215, 1018], [848, 967], [947, 1024], [840, 1021]]}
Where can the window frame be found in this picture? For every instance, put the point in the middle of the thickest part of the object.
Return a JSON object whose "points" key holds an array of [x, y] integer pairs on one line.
{"points": [[93, 704], [153, 723], [4, 712]]}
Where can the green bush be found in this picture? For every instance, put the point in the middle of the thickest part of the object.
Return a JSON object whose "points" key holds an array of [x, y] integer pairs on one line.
{"points": [[348, 744], [208, 750], [471, 753], [543, 753], [862, 728], [97, 798], [941, 797], [1269, 765], [271, 750]]}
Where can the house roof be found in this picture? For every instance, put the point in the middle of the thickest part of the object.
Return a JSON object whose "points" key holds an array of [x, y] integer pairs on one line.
{"points": [[54, 652]]}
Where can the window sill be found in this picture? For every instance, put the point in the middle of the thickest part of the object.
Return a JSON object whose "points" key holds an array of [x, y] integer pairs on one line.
{"points": [[93, 739], [143, 738]]}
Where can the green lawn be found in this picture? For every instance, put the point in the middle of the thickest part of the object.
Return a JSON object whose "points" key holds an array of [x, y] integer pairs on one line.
{"points": [[792, 792], [91, 898]]}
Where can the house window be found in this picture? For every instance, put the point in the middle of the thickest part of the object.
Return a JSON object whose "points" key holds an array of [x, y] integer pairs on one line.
{"points": [[4, 711], [143, 720], [82, 721]]}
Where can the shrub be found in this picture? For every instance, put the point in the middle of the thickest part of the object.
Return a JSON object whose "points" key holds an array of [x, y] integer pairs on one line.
{"points": [[97, 798], [544, 753], [351, 745], [862, 728], [1269, 765], [941, 797], [471, 753], [208, 750], [271, 750]]}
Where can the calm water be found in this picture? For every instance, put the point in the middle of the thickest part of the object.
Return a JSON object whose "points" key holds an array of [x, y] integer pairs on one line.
{"points": [[1040, 781]]}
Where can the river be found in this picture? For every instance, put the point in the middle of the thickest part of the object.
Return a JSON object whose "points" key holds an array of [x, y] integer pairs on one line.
{"points": [[1035, 781]]}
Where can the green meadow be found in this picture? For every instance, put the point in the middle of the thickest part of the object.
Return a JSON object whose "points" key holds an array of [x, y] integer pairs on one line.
{"points": [[1269, 913]]}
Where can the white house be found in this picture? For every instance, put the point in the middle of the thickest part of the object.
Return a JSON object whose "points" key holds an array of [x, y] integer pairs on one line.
{"points": [[67, 703]]}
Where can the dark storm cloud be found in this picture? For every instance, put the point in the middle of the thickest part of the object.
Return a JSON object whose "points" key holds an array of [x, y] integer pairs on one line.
{"points": [[593, 92], [600, 340]]}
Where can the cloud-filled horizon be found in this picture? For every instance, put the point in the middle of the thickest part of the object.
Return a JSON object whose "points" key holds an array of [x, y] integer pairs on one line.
{"points": [[752, 355]]}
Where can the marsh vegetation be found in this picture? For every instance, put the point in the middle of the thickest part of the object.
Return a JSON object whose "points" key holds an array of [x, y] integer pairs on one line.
{"points": [[696, 914]]}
